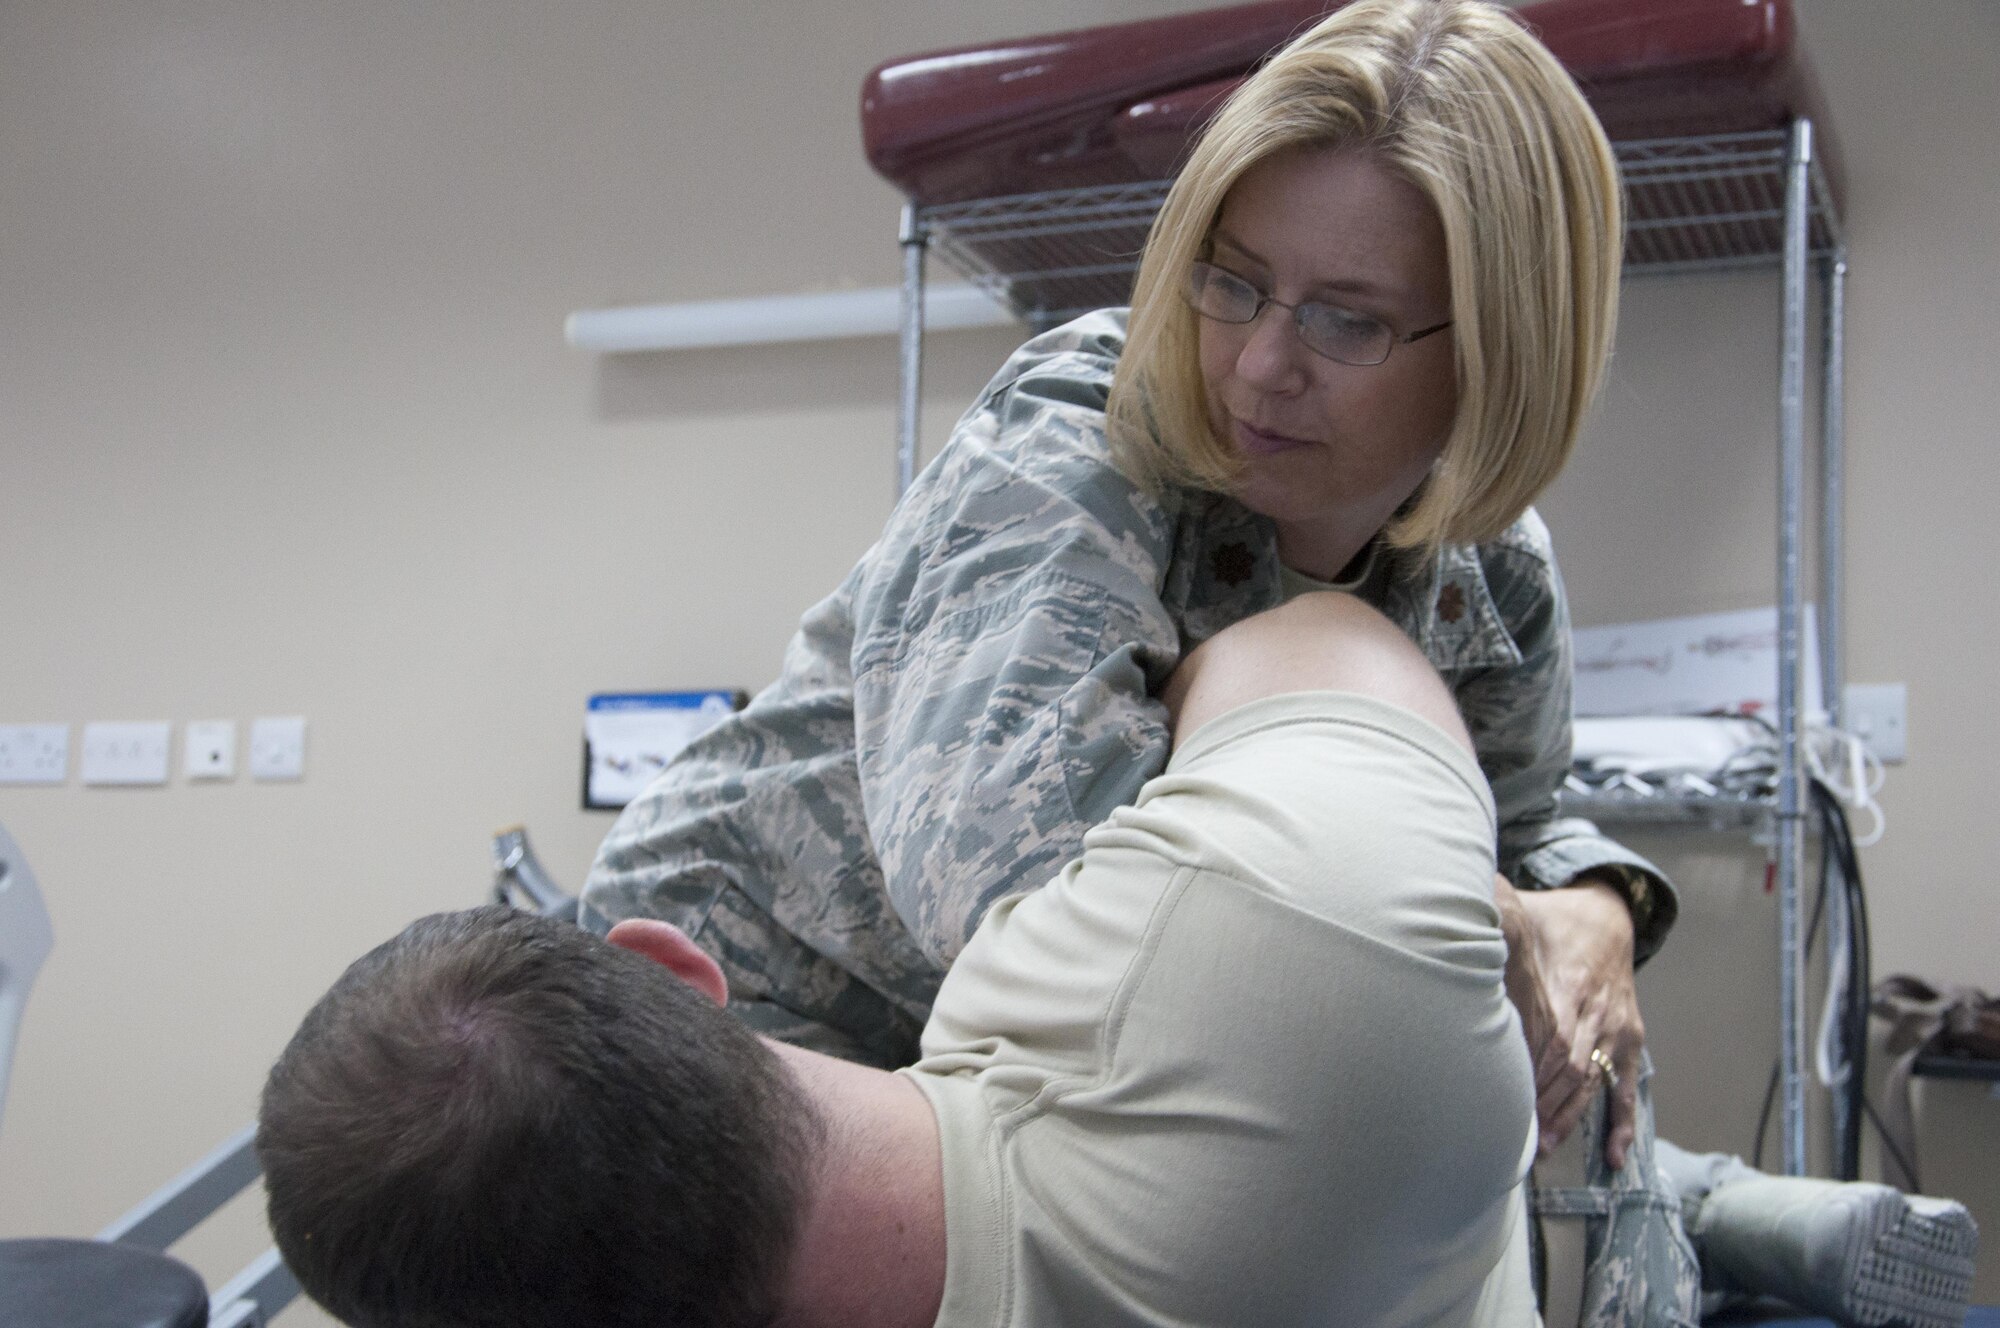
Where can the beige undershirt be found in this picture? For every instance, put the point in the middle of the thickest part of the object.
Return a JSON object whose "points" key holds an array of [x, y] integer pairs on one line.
{"points": [[1295, 583], [1248, 1062]]}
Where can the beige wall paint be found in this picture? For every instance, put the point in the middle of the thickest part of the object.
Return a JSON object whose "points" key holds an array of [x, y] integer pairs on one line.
{"points": [[286, 426]]}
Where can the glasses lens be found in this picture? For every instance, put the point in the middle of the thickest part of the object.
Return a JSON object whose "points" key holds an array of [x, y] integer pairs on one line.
{"points": [[1220, 295], [1344, 335]]}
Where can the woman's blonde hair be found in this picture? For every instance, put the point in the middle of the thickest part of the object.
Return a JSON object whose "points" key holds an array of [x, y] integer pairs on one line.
{"points": [[1456, 97]]}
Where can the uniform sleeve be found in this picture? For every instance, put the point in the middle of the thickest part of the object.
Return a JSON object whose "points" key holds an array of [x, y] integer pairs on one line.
{"points": [[1005, 656], [1519, 716]]}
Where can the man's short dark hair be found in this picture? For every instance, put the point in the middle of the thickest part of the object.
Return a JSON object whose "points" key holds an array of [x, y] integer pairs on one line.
{"points": [[498, 1119]]}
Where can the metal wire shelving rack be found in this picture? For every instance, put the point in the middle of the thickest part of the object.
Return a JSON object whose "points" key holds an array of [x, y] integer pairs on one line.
{"points": [[1693, 204]]}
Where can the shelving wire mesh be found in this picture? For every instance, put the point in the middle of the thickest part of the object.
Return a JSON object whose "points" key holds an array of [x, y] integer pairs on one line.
{"points": [[1691, 203], [1719, 201], [1732, 812], [1048, 256]]}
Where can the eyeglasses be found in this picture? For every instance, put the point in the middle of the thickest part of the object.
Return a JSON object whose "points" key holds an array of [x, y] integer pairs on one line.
{"points": [[1341, 335]]}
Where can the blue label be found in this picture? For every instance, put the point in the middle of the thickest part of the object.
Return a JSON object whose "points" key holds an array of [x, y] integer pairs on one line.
{"points": [[662, 700]]}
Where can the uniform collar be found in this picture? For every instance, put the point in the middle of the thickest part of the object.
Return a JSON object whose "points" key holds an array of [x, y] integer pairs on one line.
{"points": [[1451, 614], [1227, 568]]}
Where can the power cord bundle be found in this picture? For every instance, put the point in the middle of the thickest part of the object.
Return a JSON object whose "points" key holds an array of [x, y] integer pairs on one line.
{"points": [[1842, 1053], [1737, 758]]}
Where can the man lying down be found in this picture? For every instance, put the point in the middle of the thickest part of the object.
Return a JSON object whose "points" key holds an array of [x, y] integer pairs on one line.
{"points": [[1248, 1060]]}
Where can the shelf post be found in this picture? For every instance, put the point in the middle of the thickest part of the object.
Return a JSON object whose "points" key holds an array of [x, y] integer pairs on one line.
{"points": [[1832, 602], [1791, 822], [1833, 490], [914, 241]]}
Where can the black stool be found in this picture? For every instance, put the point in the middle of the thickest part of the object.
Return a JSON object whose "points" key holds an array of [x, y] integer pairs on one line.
{"points": [[96, 1284]]}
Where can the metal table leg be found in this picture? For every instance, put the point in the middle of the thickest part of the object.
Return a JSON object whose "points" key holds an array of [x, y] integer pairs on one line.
{"points": [[914, 241]]}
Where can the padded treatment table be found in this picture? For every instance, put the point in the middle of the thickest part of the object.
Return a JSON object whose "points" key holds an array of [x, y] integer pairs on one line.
{"points": [[1098, 119], [1121, 103]]}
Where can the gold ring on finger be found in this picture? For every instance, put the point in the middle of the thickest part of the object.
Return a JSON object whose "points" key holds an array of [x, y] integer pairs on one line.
{"points": [[1603, 1062]]}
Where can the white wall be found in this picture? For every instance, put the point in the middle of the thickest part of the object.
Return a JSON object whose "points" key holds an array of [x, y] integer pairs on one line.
{"points": [[286, 426]]}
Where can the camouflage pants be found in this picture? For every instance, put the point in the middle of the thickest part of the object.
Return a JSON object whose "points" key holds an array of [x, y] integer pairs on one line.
{"points": [[1638, 1268]]}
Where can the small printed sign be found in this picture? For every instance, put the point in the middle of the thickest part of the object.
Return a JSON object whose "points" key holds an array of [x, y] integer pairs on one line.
{"points": [[629, 737], [1708, 664]]}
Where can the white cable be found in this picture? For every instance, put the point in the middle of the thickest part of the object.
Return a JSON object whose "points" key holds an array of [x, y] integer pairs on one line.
{"points": [[1852, 774], [1860, 774]]}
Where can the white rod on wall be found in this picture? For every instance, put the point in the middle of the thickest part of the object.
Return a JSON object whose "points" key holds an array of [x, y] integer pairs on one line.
{"points": [[773, 318]]}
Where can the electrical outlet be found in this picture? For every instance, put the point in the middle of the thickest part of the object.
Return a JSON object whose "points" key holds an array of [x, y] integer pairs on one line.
{"points": [[1878, 714], [208, 749], [34, 753], [278, 747], [116, 753]]}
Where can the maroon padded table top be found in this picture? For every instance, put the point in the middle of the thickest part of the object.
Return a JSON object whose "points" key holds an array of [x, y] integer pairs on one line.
{"points": [[1117, 104]]}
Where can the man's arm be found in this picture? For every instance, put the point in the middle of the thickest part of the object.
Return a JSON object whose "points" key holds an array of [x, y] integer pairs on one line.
{"points": [[1278, 972]]}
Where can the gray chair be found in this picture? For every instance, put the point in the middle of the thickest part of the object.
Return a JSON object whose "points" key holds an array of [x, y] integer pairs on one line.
{"points": [[124, 1278], [25, 941]]}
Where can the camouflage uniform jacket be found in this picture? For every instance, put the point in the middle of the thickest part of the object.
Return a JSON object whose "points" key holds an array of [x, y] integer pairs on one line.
{"points": [[979, 691]]}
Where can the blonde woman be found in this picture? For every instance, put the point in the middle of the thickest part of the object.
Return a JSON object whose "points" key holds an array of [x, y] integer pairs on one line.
{"points": [[1370, 319]]}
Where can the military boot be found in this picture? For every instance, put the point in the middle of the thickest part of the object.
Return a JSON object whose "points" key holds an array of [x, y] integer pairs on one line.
{"points": [[1857, 1252]]}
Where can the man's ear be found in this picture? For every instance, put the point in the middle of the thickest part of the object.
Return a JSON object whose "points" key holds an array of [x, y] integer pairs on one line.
{"points": [[669, 947]]}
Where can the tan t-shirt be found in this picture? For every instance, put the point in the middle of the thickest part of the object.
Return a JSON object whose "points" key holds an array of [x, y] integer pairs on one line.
{"points": [[1248, 1059]]}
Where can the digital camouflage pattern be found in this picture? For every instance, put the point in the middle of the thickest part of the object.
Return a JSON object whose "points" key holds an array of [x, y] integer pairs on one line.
{"points": [[1639, 1265], [979, 692]]}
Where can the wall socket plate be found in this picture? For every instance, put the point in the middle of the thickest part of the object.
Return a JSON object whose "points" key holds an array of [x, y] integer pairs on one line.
{"points": [[34, 753], [1878, 713], [208, 749], [126, 753], [278, 747]]}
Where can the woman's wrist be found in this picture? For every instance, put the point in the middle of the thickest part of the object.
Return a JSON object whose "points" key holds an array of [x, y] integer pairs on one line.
{"points": [[1628, 885]]}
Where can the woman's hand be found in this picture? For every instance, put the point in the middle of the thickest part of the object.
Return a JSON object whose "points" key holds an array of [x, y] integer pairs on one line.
{"points": [[1569, 973]]}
